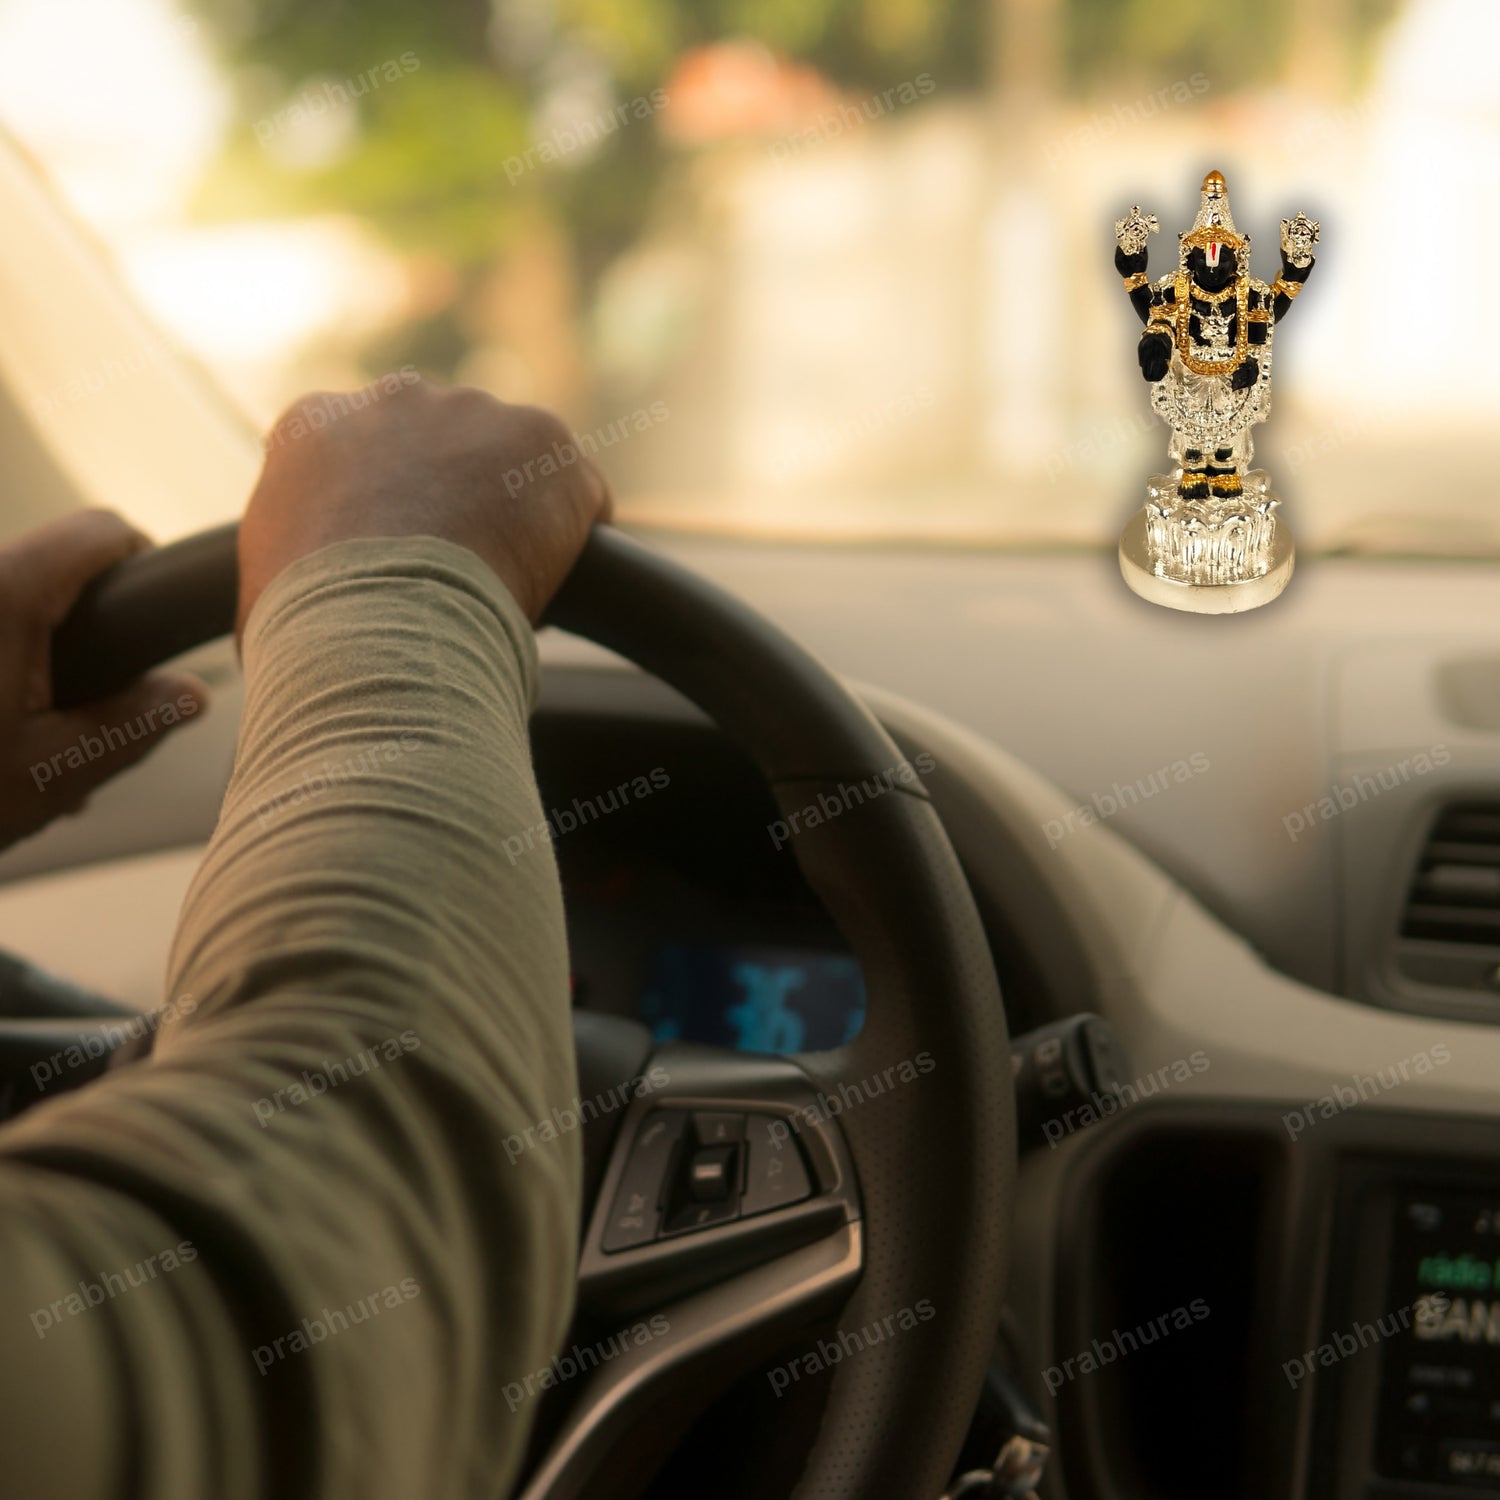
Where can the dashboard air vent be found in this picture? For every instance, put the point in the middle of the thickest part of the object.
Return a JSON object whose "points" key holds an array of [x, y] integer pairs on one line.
{"points": [[1450, 925]]}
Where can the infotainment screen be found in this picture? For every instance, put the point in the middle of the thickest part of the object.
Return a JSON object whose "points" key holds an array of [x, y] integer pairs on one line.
{"points": [[756, 999], [1440, 1369]]}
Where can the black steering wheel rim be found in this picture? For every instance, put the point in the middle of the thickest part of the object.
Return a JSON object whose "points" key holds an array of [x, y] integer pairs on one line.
{"points": [[934, 1158]]}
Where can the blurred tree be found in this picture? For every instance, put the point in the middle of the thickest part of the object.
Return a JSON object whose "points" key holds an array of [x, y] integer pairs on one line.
{"points": [[427, 164], [1232, 43], [430, 153]]}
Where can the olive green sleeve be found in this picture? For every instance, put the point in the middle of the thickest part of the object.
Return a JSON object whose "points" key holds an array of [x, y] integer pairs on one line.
{"points": [[297, 1251]]}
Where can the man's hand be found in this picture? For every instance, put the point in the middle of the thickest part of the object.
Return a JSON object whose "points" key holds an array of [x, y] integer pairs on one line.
{"points": [[50, 761], [507, 482]]}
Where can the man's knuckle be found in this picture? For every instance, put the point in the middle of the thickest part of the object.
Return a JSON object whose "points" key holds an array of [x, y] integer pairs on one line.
{"points": [[542, 428], [302, 408], [99, 527], [302, 404]]}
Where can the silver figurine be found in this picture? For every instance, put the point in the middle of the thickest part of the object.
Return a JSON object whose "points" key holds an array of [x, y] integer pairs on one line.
{"points": [[1208, 538]]}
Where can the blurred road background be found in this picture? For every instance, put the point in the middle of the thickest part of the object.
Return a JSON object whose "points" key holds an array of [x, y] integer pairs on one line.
{"points": [[807, 268]]}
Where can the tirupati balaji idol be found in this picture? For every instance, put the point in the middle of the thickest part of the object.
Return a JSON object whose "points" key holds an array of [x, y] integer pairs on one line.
{"points": [[1208, 538]]}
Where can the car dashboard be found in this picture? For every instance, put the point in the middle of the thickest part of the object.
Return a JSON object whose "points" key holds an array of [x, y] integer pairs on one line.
{"points": [[685, 910], [1224, 1279]]}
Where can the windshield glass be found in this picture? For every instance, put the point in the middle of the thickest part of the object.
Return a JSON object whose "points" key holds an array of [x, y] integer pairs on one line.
{"points": [[819, 269]]}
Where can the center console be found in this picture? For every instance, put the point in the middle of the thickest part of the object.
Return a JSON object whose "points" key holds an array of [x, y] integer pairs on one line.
{"points": [[1411, 1399], [1345, 1291]]}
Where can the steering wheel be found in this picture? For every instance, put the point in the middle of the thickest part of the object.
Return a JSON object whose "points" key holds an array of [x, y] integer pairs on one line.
{"points": [[857, 1199]]}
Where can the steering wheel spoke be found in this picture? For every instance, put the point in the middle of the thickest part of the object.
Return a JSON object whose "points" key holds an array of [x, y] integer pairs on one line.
{"points": [[726, 1221], [728, 1165]]}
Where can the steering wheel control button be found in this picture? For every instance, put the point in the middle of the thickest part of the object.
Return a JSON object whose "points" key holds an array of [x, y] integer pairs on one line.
{"points": [[713, 1175], [776, 1175], [718, 1129], [635, 1216], [700, 1216]]}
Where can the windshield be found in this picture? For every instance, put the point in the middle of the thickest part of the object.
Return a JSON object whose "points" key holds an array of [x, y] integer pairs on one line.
{"points": [[819, 269]]}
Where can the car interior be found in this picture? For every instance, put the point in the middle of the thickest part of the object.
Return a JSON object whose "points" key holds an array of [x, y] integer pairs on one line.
{"points": [[1095, 1001]]}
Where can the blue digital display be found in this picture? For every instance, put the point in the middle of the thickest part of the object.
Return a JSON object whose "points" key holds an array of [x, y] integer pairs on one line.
{"points": [[753, 999]]}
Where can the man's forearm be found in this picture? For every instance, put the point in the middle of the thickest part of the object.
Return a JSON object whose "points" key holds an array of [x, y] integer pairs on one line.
{"points": [[367, 997]]}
